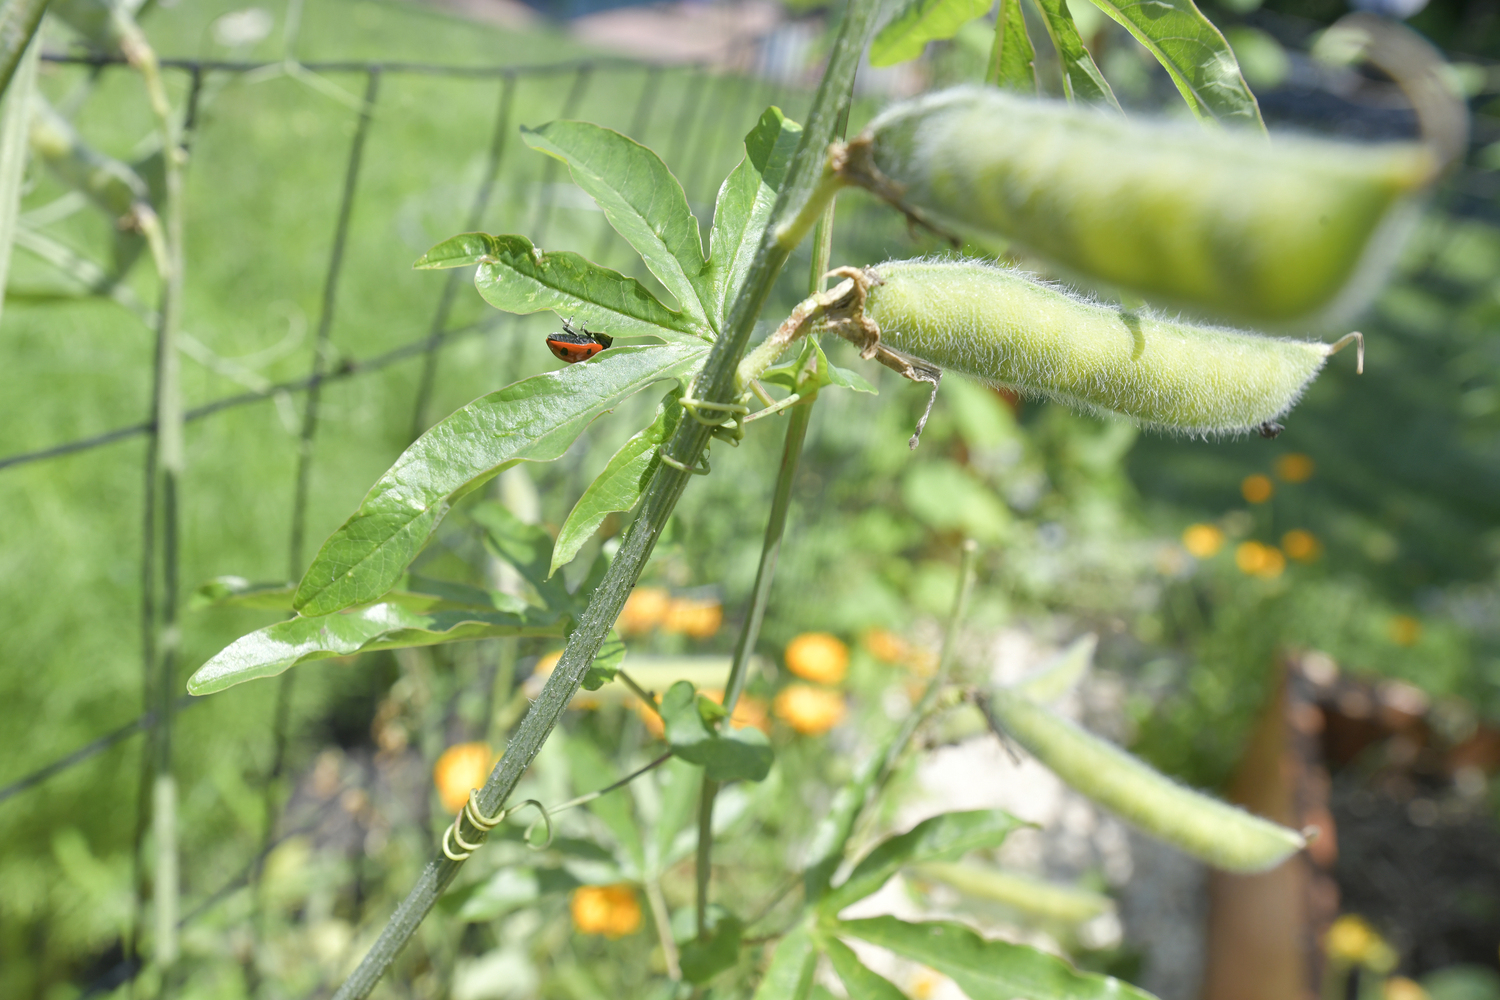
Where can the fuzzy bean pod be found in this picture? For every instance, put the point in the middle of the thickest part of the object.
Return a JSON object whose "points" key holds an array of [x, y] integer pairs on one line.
{"points": [[1007, 328], [1223, 835], [1219, 222]]}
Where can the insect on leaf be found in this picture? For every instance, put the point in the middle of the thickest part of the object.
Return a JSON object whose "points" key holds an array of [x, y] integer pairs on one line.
{"points": [[744, 205], [988, 970], [1012, 59], [620, 485], [1194, 53], [515, 276], [919, 22], [534, 420], [387, 625], [641, 199], [1082, 80]]}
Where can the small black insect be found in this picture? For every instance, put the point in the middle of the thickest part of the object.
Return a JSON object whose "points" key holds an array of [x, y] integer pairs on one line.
{"points": [[1267, 430]]}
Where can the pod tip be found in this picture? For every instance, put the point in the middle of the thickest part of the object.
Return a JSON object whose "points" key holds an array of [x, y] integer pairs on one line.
{"points": [[1359, 357]]}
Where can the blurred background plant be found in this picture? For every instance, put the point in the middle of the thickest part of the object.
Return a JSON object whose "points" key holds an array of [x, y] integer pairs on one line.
{"points": [[1362, 544]]}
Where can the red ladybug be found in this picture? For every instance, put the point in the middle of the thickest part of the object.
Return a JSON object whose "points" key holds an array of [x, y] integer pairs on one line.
{"points": [[574, 346]]}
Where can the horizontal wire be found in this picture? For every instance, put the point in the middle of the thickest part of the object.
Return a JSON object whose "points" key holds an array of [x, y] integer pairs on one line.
{"points": [[348, 369], [99, 61]]}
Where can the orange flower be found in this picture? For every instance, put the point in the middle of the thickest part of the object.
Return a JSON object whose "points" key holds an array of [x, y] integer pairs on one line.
{"points": [[644, 609], [1203, 540], [1257, 488], [1405, 630], [884, 645], [698, 618], [1264, 561], [818, 656], [461, 768], [1302, 546], [809, 710], [611, 910], [1295, 468]]}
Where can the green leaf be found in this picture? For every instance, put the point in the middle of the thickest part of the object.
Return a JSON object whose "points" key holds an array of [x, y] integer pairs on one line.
{"points": [[607, 662], [680, 783], [701, 960], [859, 980], [620, 485], [941, 838], [792, 374], [1058, 676], [792, 966], [591, 771], [641, 199], [533, 420], [1082, 80], [236, 591], [415, 593], [919, 22], [744, 205], [462, 250], [1031, 896], [526, 547], [725, 755], [271, 650], [517, 277], [1012, 59], [1194, 53], [988, 970]]}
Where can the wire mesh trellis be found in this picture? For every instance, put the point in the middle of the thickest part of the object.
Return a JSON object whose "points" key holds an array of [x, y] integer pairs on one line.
{"points": [[703, 140]]}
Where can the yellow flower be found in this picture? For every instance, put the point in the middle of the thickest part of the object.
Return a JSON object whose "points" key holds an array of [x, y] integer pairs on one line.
{"points": [[696, 617], [611, 910], [1295, 468], [644, 609], [1349, 938], [1257, 488], [1255, 559], [1203, 541], [809, 710], [1401, 988], [818, 656], [1301, 545], [462, 768], [1405, 630]]}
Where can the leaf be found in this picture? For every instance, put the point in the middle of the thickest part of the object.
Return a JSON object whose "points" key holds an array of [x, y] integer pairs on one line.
{"points": [[680, 783], [1194, 53], [1057, 677], [792, 967], [988, 970], [942, 838], [641, 199], [591, 771], [921, 21], [725, 755], [415, 593], [1012, 59], [702, 960], [859, 980], [269, 651], [533, 420], [1082, 80], [517, 277], [236, 591], [620, 485], [744, 205], [787, 375], [525, 547], [463, 250], [1032, 896], [607, 662]]}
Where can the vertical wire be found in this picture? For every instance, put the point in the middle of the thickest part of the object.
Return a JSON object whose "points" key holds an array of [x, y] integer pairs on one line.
{"points": [[457, 275], [638, 124], [282, 712], [543, 217]]}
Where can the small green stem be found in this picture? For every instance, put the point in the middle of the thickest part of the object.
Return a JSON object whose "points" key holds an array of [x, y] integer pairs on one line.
{"points": [[829, 183], [646, 697]]}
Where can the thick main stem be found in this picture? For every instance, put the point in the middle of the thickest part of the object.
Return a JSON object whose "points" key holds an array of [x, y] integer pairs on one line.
{"points": [[716, 384]]}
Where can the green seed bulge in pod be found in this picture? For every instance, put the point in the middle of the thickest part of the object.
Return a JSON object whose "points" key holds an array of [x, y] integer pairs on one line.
{"points": [[1222, 223], [1004, 327], [1221, 834]]}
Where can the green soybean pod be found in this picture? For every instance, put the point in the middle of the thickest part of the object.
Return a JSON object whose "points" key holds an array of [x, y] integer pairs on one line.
{"points": [[1007, 328], [1223, 835], [1222, 223]]}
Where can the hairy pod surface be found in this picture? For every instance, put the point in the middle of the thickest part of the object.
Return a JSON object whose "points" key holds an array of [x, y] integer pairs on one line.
{"points": [[1222, 223], [1007, 328], [1222, 835]]}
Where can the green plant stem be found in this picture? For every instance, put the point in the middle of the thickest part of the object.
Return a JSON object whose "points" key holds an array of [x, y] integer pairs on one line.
{"points": [[828, 844], [15, 129], [715, 384], [19, 20], [770, 550]]}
